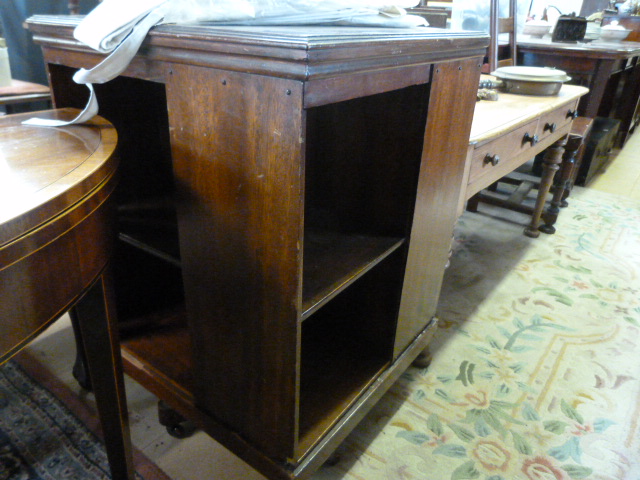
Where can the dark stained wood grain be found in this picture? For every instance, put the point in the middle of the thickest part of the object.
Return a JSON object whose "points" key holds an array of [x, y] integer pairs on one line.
{"points": [[306, 53], [98, 325], [273, 135], [436, 201], [236, 141], [56, 219], [334, 261], [43, 176]]}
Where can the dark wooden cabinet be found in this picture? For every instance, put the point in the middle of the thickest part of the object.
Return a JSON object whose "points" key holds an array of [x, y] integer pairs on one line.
{"points": [[300, 186], [611, 71]]}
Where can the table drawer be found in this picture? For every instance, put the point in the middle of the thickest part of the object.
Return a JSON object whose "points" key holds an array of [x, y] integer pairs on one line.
{"points": [[501, 151], [556, 119]]}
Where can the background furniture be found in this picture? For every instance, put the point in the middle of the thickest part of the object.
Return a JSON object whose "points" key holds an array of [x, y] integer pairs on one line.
{"points": [[597, 148], [26, 57], [75, 8], [574, 153], [500, 26], [507, 133], [630, 22], [611, 71], [20, 92], [592, 6], [316, 198], [56, 235], [527, 178], [437, 17]]}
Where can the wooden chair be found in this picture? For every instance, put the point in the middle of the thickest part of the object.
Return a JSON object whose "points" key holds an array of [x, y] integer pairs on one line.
{"points": [[498, 26], [55, 242]]}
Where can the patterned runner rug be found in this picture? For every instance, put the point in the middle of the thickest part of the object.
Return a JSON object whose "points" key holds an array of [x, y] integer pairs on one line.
{"points": [[536, 363], [46, 433]]}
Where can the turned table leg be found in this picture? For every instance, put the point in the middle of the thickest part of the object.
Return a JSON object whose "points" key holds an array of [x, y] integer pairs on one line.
{"points": [[567, 174], [550, 165], [562, 184]]}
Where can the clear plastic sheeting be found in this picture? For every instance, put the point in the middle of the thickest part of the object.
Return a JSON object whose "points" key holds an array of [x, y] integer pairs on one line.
{"points": [[119, 27], [189, 11], [282, 12]]}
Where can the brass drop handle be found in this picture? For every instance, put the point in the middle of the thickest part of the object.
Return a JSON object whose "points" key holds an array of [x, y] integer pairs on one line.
{"points": [[492, 159], [533, 139], [572, 114], [551, 127]]}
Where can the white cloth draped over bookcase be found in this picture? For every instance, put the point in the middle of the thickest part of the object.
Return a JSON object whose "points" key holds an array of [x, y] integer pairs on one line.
{"points": [[118, 27]]}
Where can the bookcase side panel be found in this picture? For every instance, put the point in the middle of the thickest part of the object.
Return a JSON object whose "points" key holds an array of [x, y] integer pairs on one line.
{"points": [[237, 145], [446, 139]]}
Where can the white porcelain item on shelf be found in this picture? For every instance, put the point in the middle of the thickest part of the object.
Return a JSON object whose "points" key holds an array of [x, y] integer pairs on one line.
{"points": [[536, 28], [614, 25], [613, 34]]}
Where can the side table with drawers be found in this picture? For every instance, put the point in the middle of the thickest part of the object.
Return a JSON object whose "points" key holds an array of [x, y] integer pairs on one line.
{"points": [[507, 133]]}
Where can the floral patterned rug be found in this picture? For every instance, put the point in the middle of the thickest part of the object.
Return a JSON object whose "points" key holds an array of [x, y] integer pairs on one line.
{"points": [[535, 371]]}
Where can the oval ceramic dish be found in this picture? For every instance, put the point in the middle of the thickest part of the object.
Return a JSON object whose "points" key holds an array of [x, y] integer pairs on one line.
{"points": [[531, 80]]}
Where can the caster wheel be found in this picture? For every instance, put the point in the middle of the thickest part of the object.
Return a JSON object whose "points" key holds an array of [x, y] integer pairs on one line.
{"points": [[177, 426], [181, 430]]}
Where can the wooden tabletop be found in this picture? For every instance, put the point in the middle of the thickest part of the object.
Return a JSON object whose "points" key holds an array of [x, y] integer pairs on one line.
{"points": [[22, 92], [491, 119], [38, 178], [596, 48], [18, 87]]}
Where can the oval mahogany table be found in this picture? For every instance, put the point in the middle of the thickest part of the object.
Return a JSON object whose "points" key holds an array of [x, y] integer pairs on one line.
{"points": [[55, 242]]}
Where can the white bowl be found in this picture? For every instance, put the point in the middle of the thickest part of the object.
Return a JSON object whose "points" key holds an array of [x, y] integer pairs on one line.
{"points": [[536, 29], [613, 34]]}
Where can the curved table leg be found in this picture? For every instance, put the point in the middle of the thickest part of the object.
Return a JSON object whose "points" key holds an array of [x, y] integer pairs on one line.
{"points": [[96, 321], [550, 165]]}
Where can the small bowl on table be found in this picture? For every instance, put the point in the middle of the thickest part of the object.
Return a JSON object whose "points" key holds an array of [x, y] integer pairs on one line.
{"points": [[536, 28], [613, 33]]}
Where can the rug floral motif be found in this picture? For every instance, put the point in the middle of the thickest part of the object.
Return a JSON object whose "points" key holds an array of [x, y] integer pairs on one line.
{"points": [[535, 371]]}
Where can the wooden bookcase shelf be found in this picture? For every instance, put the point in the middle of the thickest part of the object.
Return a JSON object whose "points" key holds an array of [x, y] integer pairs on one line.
{"points": [[316, 174], [163, 346], [332, 262]]}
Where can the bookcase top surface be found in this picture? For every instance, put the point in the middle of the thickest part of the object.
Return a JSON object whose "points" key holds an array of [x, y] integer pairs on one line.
{"points": [[308, 42]]}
